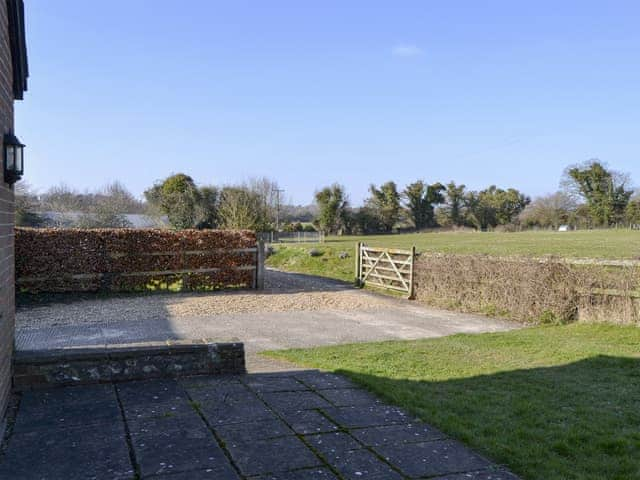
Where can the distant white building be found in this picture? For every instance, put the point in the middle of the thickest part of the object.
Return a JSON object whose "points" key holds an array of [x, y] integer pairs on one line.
{"points": [[70, 219], [138, 220]]}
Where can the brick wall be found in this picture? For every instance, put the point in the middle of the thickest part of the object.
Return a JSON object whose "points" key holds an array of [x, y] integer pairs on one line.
{"points": [[6, 218]]}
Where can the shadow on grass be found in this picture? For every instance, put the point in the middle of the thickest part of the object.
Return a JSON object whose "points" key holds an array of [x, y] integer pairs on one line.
{"points": [[576, 421]]}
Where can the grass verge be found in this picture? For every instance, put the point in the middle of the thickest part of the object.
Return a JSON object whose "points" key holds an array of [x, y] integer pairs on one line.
{"points": [[328, 264], [549, 402]]}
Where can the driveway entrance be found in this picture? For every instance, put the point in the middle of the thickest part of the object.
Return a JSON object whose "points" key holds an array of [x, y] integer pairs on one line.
{"points": [[293, 311]]}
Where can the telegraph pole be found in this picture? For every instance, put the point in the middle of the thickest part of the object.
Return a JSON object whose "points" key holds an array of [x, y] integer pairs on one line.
{"points": [[278, 192]]}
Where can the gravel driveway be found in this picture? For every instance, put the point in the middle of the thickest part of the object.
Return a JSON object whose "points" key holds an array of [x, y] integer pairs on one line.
{"points": [[294, 310], [284, 292]]}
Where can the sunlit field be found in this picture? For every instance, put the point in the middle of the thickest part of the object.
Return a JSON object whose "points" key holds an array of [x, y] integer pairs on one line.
{"points": [[600, 244]]}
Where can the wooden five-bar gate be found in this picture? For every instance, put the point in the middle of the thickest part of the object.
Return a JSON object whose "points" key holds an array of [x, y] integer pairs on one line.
{"points": [[387, 268]]}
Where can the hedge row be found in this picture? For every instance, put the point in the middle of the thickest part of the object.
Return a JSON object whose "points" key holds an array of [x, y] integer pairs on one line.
{"points": [[532, 290], [67, 260]]}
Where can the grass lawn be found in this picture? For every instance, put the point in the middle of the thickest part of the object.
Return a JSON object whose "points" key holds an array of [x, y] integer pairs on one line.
{"points": [[296, 258], [548, 402], [610, 244]]}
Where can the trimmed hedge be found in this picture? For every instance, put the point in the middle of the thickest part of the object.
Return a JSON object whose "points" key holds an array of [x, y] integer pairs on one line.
{"points": [[91, 260]]}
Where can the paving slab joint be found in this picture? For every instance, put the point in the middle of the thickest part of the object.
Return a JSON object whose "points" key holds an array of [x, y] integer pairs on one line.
{"points": [[128, 439], [196, 406]]}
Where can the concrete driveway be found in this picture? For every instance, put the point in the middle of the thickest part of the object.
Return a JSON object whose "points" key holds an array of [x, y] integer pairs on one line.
{"points": [[294, 311]]}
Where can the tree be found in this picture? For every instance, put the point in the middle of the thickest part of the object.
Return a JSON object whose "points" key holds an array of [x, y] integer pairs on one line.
{"points": [[420, 200], [508, 205], [104, 208], [207, 211], [632, 213], [477, 212], [107, 207], [26, 207], [298, 213], [65, 202], [178, 198], [269, 193], [117, 195], [293, 227], [582, 217], [364, 220], [550, 211], [385, 202], [455, 200], [241, 208], [605, 191], [494, 206], [332, 208], [62, 204], [251, 205]]}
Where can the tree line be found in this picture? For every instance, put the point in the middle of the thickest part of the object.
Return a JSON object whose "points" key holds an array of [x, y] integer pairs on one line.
{"points": [[418, 206], [591, 195], [253, 205], [105, 207], [175, 200]]}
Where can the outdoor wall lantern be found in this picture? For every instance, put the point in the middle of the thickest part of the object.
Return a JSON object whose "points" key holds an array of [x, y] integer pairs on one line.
{"points": [[13, 159]]}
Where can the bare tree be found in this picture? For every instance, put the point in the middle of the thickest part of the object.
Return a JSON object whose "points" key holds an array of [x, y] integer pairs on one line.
{"points": [[103, 208], [241, 208], [119, 198], [268, 191], [549, 211], [64, 202], [27, 206]]}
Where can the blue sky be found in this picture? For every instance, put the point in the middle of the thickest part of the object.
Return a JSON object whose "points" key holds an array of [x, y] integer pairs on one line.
{"points": [[309, 93]]}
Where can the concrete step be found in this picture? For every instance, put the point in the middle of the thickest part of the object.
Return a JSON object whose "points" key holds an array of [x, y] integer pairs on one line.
{"points": [[121, 362]]}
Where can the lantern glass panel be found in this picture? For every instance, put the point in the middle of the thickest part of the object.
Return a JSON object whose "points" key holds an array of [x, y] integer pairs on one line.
{"points": [[11, 160], [19, 159]]}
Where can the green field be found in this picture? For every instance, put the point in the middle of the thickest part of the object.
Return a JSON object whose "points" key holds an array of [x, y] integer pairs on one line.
{"points": [[609, 244], [551, 403]]}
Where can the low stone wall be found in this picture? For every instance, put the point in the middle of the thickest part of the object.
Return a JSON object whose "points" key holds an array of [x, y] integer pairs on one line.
{"points": [[47, 368]]}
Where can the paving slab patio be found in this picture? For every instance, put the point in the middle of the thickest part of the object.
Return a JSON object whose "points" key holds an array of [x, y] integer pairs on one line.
{"points": [[292, 425], [279, 422]]}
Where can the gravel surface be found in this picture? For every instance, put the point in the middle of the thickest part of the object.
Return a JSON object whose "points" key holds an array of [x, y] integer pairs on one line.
{"points": [[294, 311], [283, 292]]}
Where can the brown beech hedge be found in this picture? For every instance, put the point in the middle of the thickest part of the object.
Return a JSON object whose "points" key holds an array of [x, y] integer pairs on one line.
{"points": [[91, 260]]}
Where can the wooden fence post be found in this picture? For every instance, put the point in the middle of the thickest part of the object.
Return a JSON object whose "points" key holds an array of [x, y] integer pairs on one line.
{"points": [[412, 295], [260, 256], [185, 276], [358, 260]]}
